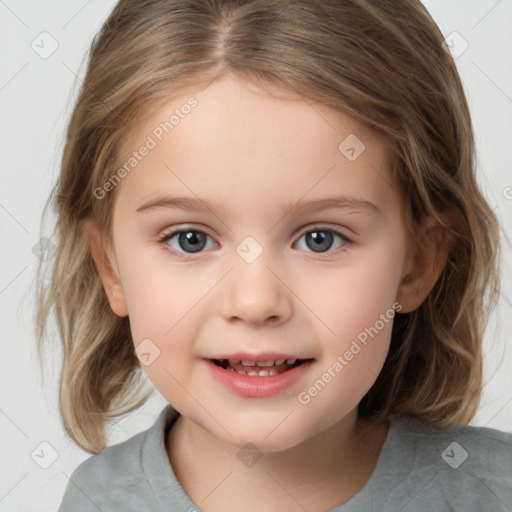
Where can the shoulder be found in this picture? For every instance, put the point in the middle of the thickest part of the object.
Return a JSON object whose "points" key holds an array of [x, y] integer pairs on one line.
{"points": [[458, 445], [465, 467], [114, 471], [116, 476], [121, 460]]}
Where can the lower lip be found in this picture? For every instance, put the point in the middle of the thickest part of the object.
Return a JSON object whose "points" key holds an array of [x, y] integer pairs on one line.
{"points": [[255, 386]]}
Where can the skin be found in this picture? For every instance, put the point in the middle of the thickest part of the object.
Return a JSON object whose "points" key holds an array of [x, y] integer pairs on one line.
{"points": [[251, 155]]}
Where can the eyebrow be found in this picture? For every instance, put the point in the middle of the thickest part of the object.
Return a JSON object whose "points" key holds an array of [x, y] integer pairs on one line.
{"points": [[299, 207]]}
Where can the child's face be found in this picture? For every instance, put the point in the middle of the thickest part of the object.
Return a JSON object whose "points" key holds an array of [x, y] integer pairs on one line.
{"points": [[259, 283]]}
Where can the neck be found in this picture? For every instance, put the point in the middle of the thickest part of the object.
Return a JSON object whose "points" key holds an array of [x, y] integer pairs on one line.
{"points": [[340, 460]]}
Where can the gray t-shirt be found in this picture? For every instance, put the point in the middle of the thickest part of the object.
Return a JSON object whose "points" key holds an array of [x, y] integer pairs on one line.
{"points": [[420, 469]]}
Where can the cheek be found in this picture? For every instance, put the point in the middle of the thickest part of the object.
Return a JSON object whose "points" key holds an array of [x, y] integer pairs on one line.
{"points": [[356, 309], [355, 296], [163, 322], [165, 312], [158, 295]]}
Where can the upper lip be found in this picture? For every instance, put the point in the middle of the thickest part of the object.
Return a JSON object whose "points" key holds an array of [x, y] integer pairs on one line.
{"points": [[261, 356]]}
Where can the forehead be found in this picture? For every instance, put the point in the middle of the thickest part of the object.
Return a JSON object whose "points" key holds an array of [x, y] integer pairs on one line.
{"points": [[234, 140]]}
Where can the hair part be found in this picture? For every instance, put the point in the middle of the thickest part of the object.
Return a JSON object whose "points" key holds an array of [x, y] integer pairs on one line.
{"points": [[358, 57]]}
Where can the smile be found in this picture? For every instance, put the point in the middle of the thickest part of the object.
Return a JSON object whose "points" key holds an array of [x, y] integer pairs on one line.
{"points": [[258, 379], [258, 368]]}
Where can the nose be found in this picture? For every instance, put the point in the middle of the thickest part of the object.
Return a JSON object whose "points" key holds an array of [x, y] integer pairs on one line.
{"points": [[255, 293]]}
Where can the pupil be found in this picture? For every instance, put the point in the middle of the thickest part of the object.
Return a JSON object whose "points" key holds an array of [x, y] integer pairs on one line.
{"points": [[195, 241], [321, 240]]}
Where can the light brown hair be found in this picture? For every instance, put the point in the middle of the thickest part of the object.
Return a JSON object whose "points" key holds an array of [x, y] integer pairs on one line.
{"points": [[383, 64]]}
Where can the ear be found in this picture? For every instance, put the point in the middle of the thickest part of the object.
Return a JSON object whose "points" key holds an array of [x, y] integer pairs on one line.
{"points": [[106, 267], [423, 269]]}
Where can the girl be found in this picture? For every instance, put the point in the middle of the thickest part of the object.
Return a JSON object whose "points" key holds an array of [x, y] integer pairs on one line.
{"points": [[271, 209]]}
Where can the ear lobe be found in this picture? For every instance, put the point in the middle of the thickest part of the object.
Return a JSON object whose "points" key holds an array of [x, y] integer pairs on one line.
{"points": [[106, 268], [431, 253]]}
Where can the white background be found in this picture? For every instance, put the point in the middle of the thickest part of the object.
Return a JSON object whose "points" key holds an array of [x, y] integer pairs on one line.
{"points": [[35, 99]]}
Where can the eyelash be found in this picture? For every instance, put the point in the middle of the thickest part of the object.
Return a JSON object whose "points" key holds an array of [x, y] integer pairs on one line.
{"points": [[187, 256]]}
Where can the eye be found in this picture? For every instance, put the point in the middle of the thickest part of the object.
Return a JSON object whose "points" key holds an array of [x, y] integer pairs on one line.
{"points": [[189, 241], [186, 241], [320, 239]]}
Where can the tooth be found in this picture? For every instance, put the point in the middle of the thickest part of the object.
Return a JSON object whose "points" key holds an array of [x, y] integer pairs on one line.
{"points": [[248, 363], [272, 371], [265, 363], [280, 361], [263, 373], [234, 361], [291, 361], [252, 373]]}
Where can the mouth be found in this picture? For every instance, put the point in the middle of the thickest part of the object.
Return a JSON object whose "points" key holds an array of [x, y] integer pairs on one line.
{"points": [[259, 368], [260, 375]]}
